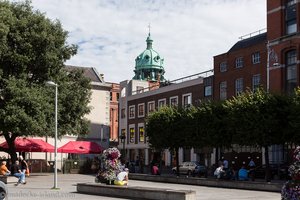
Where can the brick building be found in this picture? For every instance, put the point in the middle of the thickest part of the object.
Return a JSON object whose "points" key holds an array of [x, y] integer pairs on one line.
{"points": [[269, 59]]}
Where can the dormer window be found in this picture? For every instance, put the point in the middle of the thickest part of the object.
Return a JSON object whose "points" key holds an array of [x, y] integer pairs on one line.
{"points": [[147, 57]]}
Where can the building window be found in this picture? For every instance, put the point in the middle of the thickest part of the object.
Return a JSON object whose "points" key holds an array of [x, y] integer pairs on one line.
{"points": [[110, 96], [291, 17], [256, 58], [123, 113], [223, 90], [141, 134], [151, 106], [131, 135], [207, 91], [161, 103], [118, 96], [291, 71], [131, 112], [255, 82], [239, 86], [123, 134], [223, 66], [174, 101], [139, 89], [141, 110], [187, 100], [239, 62]]}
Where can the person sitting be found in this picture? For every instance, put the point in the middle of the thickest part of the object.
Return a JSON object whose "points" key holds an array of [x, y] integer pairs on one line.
{"points": [[3, 169], [219, 172], [16, 171], [155, 170], [122, 178], [243, 174]]}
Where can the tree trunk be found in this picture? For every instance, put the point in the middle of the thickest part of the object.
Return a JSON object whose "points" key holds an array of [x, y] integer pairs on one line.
{"points": [[177, 160], [10, 139], [268, 175]]}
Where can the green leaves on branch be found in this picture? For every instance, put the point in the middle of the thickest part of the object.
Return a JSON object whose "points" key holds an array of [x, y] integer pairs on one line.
{"points": [[252, 118]]}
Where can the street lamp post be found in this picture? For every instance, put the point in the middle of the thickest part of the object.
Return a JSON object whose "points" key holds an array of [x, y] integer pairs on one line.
{"points": [[51, 83], [123, 138]]}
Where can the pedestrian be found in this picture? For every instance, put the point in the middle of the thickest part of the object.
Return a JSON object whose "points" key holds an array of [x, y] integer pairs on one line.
{"points": [[122, 178], [155, 170], [252, 170], [243, 174], [137, 165], [24, 165], [225, 164], [3, 169], [219, 172], [16, 171]]}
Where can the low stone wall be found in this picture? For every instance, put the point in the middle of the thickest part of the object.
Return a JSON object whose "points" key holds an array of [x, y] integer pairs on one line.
{"points": [[135, 192], [248, 185]]}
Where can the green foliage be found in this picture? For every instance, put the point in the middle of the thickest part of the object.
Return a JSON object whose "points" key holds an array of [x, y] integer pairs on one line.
{"points": [[33, 50]]}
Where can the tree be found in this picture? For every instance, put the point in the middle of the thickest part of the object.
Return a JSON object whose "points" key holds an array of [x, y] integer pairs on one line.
{"points": [[33, 50], [257, 120], [169, 128]]}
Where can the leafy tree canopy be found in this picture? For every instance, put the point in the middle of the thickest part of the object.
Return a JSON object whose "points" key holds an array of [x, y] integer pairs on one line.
{"points": [[33, 50]]}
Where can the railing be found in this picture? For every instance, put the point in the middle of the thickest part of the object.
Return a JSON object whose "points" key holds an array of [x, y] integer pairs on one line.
{"points": [[249, 35], [180, 80]]}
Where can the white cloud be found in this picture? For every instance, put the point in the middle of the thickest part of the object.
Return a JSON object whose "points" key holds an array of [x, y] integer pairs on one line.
{"points": [[187, 33]]}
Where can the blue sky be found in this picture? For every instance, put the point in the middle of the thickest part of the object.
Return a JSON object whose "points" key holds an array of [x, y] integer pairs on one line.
{"points": [[187, 33]]}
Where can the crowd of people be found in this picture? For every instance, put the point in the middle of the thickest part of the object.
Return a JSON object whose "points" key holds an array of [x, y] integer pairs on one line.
{"points": [[18, 169], [244, 173]]}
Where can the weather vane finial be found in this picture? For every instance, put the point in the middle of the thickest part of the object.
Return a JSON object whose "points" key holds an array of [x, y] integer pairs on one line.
{"points": [[149, 26]]}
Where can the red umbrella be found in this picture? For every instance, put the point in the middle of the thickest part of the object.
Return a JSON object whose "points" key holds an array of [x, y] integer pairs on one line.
{"points": [[30, 145], [81, 147]]}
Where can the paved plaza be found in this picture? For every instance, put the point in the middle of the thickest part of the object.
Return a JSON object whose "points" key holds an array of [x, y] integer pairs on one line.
{"points": [[39, 187]]}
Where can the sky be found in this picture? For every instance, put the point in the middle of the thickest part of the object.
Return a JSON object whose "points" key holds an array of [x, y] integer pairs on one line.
{"points": [[110, 34]]}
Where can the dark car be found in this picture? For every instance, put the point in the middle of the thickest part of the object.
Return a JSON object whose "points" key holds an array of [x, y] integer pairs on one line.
{"points": [[200, 170], [277, 171]]}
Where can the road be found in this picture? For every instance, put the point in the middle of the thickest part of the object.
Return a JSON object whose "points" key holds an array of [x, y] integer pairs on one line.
{"points": [[39, 187]]}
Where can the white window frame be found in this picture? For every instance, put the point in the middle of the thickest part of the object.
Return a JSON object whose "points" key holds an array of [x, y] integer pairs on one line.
{"points": [[148, 108], [131, 126], [239, 62], [141, 125], [239, 86], [161, 100], [223, 66], [141, 104], [207, 90], [129, 108], [255, 83], [223, 90], [256, 58], [187, 95], [171, 98]]}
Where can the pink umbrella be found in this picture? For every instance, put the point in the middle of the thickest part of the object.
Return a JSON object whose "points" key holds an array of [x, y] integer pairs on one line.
{"points": [[81, 147], [30, 145]]}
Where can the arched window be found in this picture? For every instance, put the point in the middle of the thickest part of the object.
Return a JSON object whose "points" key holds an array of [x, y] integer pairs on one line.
{"points": [[291, 71]]}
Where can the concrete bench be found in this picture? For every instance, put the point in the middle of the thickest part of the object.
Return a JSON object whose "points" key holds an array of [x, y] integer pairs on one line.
{"points": [[134, 192]]}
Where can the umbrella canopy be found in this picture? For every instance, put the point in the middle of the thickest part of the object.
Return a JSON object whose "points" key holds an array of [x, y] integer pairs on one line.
{"points": [[81, 147], [30, 145]]}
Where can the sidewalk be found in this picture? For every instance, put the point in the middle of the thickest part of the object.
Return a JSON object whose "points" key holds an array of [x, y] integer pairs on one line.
{"points": [[39, 187]]}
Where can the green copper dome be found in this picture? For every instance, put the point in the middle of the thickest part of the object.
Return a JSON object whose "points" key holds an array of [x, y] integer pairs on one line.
{"points": [[149, 64]]}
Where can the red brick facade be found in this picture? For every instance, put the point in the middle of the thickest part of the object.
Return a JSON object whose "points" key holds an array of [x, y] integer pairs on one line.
{"points": [[283, 39]]}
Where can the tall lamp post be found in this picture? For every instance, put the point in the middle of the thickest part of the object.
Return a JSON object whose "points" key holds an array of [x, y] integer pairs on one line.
{"points": [[123, 139], [51, 83]]}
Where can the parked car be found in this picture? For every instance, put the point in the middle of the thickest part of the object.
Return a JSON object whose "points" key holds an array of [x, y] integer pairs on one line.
{"points": [[276, 171], [191, 168]]}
